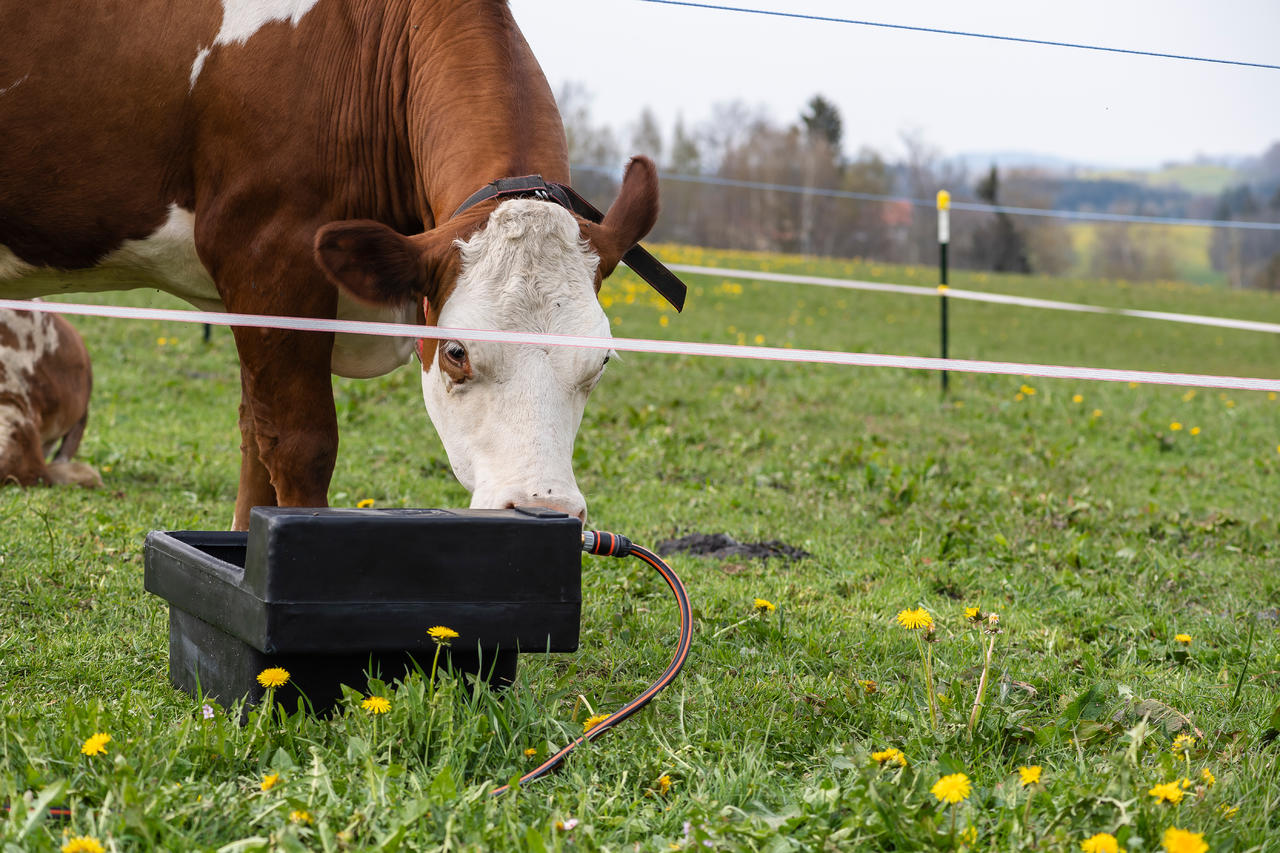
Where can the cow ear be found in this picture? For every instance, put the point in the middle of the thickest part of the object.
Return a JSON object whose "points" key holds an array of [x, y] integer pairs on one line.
{"points": [[370, 261], [631, 216]]}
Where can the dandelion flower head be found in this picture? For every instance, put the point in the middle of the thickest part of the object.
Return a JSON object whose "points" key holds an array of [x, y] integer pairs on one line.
{"points": [[530, 752], [1103, 842], [868, 685], [593, 721], [442, 635], [299, 816], [1184, 841], [890, 756], [1029, 775], [83, 844], [1169, 792], [664, 784], [96, 744], [1185, 639], [364, 503], [269, 781], [762, 605], [914, 620], [1182, 744], [376, 705], [273, 677], [973, 614], [1207, 775], [951, 789]]}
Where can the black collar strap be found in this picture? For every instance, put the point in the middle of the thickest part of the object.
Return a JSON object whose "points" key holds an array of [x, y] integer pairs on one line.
{"points": [[643, 264]]}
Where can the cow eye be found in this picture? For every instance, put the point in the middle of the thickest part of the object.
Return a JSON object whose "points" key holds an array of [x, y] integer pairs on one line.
{"points": [[455, 353]]}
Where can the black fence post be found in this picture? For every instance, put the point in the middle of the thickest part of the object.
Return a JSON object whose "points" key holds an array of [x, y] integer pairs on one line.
{"points": [[944, 240]]}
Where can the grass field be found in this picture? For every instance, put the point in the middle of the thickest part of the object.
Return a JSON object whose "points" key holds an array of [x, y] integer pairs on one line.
{"points": [[1099, 521]]}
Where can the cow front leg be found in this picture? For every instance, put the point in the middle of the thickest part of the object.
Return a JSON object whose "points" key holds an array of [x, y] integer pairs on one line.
{"points": [[255, 483], [288, 424]]}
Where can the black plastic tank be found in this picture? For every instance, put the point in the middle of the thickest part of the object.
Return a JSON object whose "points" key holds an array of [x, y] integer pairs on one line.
{"points": [[331, 594]]}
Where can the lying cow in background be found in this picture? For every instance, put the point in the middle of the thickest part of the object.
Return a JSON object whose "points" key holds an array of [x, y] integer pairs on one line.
{"points": [[282, 156], [45, 380]]}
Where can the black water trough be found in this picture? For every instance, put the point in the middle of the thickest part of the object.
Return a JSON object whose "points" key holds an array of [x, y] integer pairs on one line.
{"points": [[330, 594]]}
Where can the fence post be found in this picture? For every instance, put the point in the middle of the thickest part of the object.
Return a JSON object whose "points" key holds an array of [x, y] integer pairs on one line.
{"points": [[944, 239]]}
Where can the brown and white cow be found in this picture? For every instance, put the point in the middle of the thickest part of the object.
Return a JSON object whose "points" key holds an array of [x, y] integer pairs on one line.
{"points": [[248, 154], [45, 380]]}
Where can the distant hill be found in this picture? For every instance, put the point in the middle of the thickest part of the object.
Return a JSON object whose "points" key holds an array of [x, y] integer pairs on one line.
{"points": [[1195, 178], [1199, 178]]}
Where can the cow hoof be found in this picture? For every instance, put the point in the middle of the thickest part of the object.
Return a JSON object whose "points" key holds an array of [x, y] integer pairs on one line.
{"points": [[74, 474]]}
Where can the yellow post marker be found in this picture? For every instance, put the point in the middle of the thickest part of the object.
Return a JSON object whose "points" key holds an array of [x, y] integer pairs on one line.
{"points": [[944, 239]]}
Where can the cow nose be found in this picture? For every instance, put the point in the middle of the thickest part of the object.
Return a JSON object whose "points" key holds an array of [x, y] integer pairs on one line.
{"points": [[574, 505]]}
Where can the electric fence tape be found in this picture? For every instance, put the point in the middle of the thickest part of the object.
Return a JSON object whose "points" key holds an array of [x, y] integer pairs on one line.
{"points": [[408, 330]]}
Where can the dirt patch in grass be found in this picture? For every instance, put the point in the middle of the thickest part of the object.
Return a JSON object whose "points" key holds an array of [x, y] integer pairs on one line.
{"points": [[722, 546]]}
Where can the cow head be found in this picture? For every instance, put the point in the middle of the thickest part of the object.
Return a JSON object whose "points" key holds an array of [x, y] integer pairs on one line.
{"points": [[506, 413]]}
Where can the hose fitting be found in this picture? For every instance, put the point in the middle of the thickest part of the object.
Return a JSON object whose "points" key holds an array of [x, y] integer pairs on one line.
{"points": [[604, 544]]}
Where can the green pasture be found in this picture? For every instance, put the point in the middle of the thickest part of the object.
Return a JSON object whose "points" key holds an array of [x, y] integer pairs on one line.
{"points": [[1099, 521]]}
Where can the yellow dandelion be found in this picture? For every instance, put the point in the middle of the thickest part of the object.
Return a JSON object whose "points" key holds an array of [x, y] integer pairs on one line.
{"points": [[300, 816], [1194, 430], [1019, 396], [664, 784], [1207, 775], [269, 781], [973, 614], [364, 503], [1182, 745], [951, 789], [1189, 396], [442, 635], [1184, 841], [1184, 639], [890, 756], [1028, 390], [913, 620], [593, 721], [1228, 811], [663, 321], [530, 752], [1169, 792], [1029, 775], [376, 705], [96, 744], [1077, 398], [1103, 842], [970, 835], [1097, 413], [273, 677], [1231, 404], [763, 606], [1133, 384], [868, 685], [83, 844], [1175, 426]]}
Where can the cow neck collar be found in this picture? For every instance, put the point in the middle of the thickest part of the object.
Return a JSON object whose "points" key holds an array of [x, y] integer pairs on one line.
{"points": [[643, 264]]}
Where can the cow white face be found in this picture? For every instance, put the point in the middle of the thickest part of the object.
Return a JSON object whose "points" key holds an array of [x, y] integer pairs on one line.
{"points": [[507, 413]]}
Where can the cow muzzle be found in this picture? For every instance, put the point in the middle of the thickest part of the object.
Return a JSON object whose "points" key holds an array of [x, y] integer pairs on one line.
{"points": [[562, 499]]}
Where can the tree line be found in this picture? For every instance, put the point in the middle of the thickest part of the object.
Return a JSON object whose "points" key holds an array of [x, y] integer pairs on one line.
{"points": [[738, 144]]}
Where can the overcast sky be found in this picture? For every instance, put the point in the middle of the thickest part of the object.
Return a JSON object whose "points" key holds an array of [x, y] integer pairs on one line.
{"points": [[962, 94]]}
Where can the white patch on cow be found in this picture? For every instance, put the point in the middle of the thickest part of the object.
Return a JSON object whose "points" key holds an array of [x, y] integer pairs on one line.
{"points": [[509, 429], [366, 356], [169, 256], [11, 266], [197, 66], [242, 18], [166, 260], [36, 336]]}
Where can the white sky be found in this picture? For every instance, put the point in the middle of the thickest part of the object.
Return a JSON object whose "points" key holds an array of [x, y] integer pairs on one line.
{"points": [[963, 94]]}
